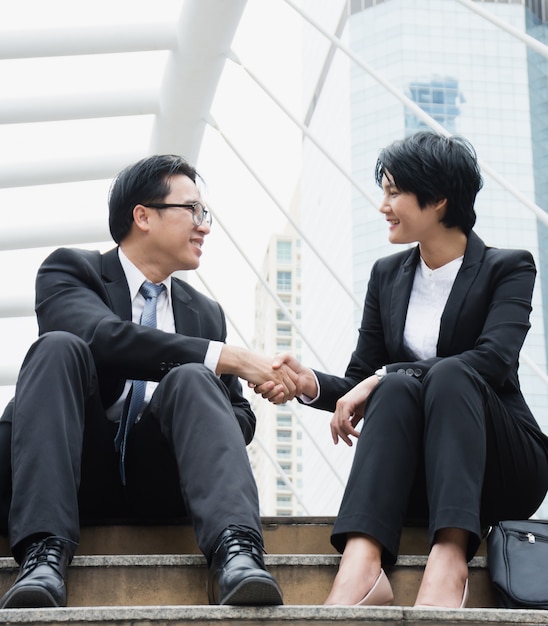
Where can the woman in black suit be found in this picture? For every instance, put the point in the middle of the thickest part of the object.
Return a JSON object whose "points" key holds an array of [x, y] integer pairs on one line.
{"points": [[447, 436]]}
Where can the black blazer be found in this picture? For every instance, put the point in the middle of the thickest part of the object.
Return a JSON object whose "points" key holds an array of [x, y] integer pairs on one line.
{"points": [[86, 293], [485, 322]]}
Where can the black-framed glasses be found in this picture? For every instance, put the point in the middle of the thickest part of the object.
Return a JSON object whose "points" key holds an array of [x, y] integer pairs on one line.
{"points": [[199, 213]]}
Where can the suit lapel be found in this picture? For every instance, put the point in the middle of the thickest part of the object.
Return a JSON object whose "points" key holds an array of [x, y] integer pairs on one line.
{"points": [[401, 292], [187, 318], [116, 284], [471, 265]]}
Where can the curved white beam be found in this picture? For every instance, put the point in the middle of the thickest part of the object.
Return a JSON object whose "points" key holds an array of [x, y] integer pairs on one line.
{"points": [[101, 39], [205, 33], [17, 306], [27, 237], [78, 106], [67, 170]]}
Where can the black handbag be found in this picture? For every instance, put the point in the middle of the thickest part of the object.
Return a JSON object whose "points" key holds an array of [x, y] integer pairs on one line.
{"points": [[517, 558]]}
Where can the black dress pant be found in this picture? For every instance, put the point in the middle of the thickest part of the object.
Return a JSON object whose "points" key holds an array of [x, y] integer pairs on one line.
{"points": [[445, 451], [185, 457]]}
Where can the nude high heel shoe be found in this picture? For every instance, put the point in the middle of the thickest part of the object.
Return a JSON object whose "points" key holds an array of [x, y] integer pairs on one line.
{"points": [[380, 593], [463, 602]]}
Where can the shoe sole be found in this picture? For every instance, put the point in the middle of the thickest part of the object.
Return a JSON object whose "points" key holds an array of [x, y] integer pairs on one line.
{"points": [[256, 592], [28, 598]]}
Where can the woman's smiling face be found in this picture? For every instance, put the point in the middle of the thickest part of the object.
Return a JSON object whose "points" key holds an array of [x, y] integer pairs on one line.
{"points": [[408, 222]]}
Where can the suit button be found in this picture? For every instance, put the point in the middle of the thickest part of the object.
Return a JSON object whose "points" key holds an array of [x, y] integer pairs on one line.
{"points": [[410, 372], [418, 372], [400, 371], [163, 366]]}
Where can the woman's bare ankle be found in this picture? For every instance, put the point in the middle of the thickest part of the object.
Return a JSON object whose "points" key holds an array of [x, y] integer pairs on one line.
{"points": [[359, 568]]}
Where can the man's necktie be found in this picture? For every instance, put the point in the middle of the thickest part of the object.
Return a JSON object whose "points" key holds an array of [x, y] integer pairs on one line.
{"points": [[136, 397]]}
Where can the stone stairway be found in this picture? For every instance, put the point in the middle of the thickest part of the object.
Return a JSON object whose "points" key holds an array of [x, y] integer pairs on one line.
{"points": [[129, 575]]}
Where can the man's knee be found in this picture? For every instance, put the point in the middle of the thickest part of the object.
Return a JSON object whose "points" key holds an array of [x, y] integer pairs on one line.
{"points": [[191, 381], [60, 342], [58, 355], [188, 374]]}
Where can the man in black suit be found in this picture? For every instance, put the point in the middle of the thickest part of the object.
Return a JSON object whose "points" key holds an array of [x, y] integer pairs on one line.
{"points": [[81, 450]]}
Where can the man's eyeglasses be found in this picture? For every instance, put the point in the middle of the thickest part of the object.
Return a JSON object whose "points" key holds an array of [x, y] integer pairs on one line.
{"points": [[199, 213]]}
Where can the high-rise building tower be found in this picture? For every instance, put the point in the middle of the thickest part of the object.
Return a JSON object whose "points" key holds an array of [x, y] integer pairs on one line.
{"points": [[276, 453]]}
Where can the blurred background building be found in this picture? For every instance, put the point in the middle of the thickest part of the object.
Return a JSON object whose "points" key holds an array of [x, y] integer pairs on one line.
{"points": [[283, 105]]}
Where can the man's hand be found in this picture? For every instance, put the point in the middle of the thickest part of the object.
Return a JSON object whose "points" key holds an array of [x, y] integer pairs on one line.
{"points": [[259, 370]]}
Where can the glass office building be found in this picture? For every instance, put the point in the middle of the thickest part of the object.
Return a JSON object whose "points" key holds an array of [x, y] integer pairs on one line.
{"points": [[471, 76]]}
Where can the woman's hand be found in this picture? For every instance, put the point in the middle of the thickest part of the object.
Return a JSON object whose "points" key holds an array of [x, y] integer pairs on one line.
{"points": [[350, 409]]}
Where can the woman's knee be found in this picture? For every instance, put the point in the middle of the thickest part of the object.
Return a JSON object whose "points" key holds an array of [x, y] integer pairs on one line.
{"points": [[451, 376], [397, 381], [397, 397], [399, 388]]}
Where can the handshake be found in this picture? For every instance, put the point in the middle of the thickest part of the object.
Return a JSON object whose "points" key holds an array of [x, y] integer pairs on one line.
{"points": [[282, 379], [277, 380]]}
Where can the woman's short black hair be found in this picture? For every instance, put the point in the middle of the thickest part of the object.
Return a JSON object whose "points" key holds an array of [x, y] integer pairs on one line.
{"points": [[434, 167], [144, 181]]}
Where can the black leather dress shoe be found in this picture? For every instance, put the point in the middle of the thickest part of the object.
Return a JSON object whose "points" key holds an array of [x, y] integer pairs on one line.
{"points": [[41, 578], [237, 574]]}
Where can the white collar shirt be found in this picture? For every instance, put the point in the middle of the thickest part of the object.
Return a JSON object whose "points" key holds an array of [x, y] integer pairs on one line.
{"points": [[164, 321], [431, 289]]}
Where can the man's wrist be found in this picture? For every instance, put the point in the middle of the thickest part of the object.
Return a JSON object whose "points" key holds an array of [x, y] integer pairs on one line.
{"points": [[230, 360]]}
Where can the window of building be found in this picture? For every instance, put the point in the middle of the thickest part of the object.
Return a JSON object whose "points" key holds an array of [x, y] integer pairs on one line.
{"points": [[282, 345], [283, 420], [283, 282], [283, 251], [283, 330]]}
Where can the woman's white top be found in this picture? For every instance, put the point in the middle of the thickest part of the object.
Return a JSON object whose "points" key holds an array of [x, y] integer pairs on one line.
{"points": [[429, 295]]}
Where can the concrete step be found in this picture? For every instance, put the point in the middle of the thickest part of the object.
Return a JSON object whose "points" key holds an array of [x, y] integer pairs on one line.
{"points": [[133, 575], [282, 535], [119, 580], [273, 616]]}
